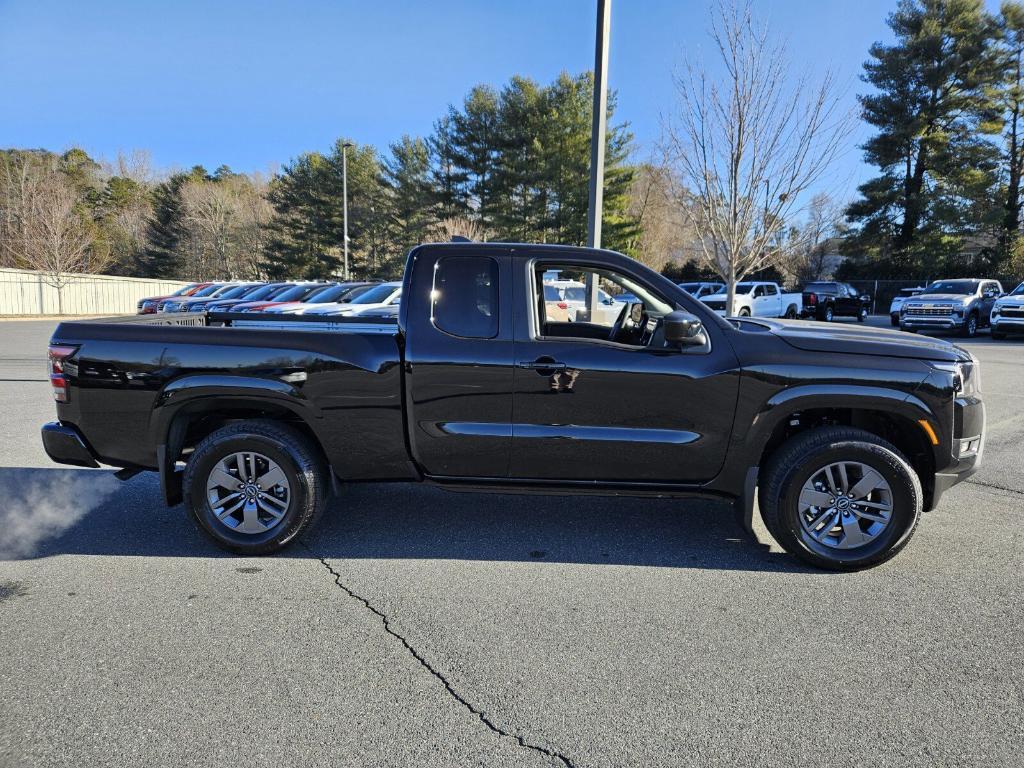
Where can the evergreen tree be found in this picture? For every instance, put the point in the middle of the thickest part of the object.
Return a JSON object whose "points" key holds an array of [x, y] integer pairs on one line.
{"points": [[164, 231], [1010, 94], [410, 199], [933, 110], [307, 231]]}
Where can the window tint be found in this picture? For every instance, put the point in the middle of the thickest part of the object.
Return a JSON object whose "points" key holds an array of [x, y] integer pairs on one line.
{"points": [[770, 290], [464, 301]]}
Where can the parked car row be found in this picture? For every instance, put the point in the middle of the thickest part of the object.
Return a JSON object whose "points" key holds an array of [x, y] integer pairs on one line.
{"points": [[285, 297]]}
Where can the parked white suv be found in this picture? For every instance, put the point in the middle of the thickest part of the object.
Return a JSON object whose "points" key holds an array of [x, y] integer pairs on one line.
{"points": [[1008, 313]]}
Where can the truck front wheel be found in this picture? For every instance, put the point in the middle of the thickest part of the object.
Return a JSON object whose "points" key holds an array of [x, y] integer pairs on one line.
{"points": [[254, 486], [840, 498]]}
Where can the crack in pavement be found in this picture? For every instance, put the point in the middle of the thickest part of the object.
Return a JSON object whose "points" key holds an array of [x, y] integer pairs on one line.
{"points": [[444, 681], [997, 487]]}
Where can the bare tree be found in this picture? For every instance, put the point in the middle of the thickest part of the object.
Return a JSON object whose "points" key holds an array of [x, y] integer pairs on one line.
{"points": [[746, 146], [61, 240], [663, 230], [807, 253], [225, 223], [457, 226], [42, 223]]}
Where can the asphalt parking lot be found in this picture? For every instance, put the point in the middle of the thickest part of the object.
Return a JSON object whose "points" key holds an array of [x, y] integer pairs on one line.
{"points": [[420, 628]]}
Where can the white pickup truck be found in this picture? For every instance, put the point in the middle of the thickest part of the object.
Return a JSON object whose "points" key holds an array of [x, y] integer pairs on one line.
{"points": [[755, 299]]}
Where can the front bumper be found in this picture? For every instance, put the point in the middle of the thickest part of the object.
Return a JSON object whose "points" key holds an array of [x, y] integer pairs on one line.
{"points": [[968, 446], [64, 445], [1004, 324], [935, 322]]}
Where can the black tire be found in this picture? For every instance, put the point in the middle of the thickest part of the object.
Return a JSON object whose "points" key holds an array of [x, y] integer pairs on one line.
{"points": [[863, 315], [970, 329], [791, 313], [744, 312], [895, 320], [796, 461], [827, 316], [291, 451]]}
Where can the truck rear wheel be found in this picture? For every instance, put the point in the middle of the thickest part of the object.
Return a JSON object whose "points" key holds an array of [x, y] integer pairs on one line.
{"points": [[254, 486], [840, 498]]}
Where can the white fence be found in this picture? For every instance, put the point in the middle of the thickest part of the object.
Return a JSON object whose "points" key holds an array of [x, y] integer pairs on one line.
{"points": [[23, 292]]}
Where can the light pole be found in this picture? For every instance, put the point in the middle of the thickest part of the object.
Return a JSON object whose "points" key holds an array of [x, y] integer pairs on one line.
{"points": [[344, 198], [600, 119], [597, 139]]}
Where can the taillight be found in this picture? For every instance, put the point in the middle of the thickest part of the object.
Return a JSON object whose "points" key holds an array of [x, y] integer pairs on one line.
{"points": [[59, 354], [562, 305], [812, 298]]}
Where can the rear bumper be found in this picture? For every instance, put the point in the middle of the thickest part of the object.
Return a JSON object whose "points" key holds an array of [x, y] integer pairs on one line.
{"points": [[64, 445]]}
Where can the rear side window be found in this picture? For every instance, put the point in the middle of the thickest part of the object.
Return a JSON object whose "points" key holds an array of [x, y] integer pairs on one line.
{"points": [[464, 301]]}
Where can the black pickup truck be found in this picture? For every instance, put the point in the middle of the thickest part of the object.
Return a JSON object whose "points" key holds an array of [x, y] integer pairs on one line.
{"points": [[843, 435]]}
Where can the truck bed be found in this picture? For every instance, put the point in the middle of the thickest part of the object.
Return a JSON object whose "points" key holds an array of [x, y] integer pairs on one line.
{"points": [[133, 375]]}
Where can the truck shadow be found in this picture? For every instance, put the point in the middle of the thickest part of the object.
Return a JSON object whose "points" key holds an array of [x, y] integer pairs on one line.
{"points": [[52, 512]]}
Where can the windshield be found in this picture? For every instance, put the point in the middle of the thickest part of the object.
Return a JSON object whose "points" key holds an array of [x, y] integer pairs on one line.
{"points": [[376, 295], [296, 292], [1018, 291], [956, 287], [325, 295], [208, 290], [186, 291], [238, 290], [262, 292]]}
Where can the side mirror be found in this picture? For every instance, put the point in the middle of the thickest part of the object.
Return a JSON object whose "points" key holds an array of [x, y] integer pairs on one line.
{"points": [[684, 329]]}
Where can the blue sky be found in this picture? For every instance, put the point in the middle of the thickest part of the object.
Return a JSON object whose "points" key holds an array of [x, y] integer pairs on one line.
{"points": [[252, 84]]}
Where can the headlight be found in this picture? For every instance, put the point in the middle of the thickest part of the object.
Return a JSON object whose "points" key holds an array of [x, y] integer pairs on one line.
{"points": [[966, 377], [959, 311]]}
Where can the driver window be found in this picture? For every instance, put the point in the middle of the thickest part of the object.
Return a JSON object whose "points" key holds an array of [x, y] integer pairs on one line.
{"points": [[563, 309], [758, 291]]}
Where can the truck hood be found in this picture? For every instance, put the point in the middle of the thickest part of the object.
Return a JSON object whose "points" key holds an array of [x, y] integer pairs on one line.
{"points": [[861, 340], [941, 298]]}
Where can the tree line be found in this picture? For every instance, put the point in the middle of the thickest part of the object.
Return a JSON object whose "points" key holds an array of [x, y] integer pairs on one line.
{"points": [[508, 164], [739, 183]]}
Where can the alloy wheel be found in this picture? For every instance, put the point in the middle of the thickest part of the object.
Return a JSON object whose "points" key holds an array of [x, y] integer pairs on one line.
{"points": [[844, 505], [248, 492]]}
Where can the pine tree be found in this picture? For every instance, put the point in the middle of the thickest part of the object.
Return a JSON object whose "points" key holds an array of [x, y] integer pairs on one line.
{"points": [[410, 199], [933, 111], [1010, 94], [164, 232]]}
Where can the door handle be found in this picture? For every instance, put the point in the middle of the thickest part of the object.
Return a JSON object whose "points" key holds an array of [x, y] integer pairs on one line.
{"points": [[543, 365]]}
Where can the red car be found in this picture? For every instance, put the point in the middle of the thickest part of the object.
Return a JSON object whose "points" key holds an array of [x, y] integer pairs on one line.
{"points": [[147, 306]]}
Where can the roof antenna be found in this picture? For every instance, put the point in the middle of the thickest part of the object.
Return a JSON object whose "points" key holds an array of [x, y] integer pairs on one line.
{"points": [[460, 239]]}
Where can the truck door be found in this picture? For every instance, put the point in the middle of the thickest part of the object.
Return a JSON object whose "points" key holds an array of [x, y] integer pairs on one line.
{"points": [[458, 361], [611, 402], [772, 301]]}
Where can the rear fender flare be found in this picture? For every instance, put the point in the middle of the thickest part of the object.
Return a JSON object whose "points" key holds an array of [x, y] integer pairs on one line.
{"points": [[190, 395]]}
